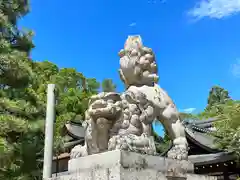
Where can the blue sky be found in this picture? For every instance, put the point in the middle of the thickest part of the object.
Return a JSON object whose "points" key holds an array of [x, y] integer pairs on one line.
{"points": [[197, 43]]}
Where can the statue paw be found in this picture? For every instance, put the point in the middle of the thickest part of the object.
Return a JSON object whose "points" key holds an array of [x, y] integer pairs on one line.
{"points": [[178, 152], [78, 151], [117, 143]]}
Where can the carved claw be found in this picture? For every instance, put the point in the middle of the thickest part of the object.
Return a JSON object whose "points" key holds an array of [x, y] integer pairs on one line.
{"points": [[179, 152], [78, 151]]}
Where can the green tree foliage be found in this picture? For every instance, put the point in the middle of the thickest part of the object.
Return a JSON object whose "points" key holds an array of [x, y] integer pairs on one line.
{"points": [[20, 113], [73, 92], [23, 86], [108, 85], [229, 126], [23, 112], [162, 143], [15, 45], [217, 95], [222, 107]]}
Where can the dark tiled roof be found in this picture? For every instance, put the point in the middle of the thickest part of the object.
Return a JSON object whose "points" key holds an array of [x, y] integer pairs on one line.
{"points": [[75, 130], [197, 132], [204, 159]]}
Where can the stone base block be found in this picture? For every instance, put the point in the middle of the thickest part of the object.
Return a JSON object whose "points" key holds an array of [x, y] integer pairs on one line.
{"points": [[122, 165]]}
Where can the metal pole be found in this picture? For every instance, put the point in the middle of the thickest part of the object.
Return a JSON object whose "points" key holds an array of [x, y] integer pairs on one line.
{"points": [[49, 123]]}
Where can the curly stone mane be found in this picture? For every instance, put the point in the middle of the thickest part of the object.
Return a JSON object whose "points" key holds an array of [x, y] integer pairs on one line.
{"points": [[137, 63]]}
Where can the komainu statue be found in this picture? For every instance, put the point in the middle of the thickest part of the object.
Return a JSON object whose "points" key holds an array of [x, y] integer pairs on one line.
{"points": [[124, 121]]}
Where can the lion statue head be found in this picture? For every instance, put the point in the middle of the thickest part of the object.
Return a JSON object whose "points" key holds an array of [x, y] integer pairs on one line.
{"points": [[137, 63]]}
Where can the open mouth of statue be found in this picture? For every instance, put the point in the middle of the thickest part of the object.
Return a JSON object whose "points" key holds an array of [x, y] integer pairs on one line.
{"points": [[108, 112]]}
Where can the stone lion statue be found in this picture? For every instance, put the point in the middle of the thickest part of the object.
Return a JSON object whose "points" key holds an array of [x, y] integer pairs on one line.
{"points": [[124, 121]]}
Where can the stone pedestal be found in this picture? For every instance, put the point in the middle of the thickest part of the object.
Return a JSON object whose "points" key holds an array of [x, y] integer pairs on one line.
{"points": [[122, 165]]}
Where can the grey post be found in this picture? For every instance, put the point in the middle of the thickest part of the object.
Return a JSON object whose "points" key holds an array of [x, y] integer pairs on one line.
{"points": [[49, 124]]}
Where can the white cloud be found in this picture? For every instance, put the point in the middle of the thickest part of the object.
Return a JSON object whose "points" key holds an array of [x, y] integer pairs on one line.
{"points": [[235, 69], [132, 24], [188, 110], [215, 9]]}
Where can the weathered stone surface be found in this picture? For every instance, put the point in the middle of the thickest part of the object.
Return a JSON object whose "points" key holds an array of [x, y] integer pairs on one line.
{"points": [[123, 165], [124, 121], [130, 160]]}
